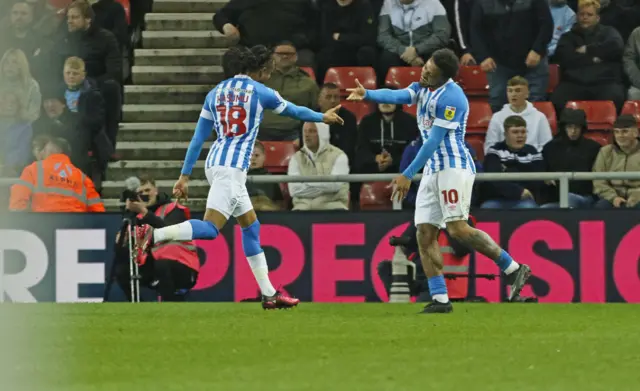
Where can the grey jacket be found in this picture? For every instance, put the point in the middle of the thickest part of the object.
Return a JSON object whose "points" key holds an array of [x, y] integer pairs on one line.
{"points": [[631, 58], [422, 24]]}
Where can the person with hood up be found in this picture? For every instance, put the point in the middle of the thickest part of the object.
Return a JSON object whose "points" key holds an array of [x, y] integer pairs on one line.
{"points": [[621, 156], [570, 151], [538, 129], [318, 157], [382, 137], [171, 268]]}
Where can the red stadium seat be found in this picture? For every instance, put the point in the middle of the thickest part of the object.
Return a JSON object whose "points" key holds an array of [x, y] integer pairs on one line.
{"points": [[550, 112], [127, 9], [309, 71], [554, 77], [477, 143], [632, 107], [277, 155], [411, 109], [473, 81], [601, 114], [59, 4], [345, 77], [359, 109], [479, 117], [375, 195], [602, 137], [401, 77]]}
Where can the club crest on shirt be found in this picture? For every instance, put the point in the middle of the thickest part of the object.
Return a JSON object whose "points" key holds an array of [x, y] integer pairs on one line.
{"points": [[449, 113]]}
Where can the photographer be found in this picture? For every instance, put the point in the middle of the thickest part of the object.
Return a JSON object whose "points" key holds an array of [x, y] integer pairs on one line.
{"points": [[171, 268]]}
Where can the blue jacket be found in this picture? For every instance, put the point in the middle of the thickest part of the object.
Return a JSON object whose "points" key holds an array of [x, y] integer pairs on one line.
{"points": [[15, 145], [563, 19], [410, 153]]}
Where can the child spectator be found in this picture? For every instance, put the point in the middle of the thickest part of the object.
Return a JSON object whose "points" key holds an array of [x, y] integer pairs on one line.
{"points": [[15, 76], [264, 196]]}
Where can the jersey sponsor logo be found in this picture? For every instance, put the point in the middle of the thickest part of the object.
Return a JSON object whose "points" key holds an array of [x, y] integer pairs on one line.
{"points": [[449, 113]]}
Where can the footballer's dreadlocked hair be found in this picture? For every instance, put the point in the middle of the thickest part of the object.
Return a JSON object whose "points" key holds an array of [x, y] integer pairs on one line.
{"points": [[262, 58], [235, 60]]}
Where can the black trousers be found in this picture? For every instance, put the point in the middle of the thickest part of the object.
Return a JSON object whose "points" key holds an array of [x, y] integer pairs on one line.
{"points": [[170, 278], [112, 94], [566, 91]]}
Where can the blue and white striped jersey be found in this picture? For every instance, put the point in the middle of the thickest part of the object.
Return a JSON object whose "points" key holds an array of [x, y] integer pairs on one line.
{"points": [[236, 107], [446, 107]]}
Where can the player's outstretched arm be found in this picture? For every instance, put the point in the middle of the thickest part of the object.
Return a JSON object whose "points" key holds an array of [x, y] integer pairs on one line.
{"points": [[307, 115], [399, 97], [202, 133], [436, 135]]}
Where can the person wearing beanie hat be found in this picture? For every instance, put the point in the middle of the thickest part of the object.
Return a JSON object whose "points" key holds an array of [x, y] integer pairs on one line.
{"points": [[319, 157], [570, 151]]}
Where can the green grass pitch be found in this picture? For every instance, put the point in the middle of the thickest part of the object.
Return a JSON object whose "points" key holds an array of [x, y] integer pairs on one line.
{"points": [[324, 347]]}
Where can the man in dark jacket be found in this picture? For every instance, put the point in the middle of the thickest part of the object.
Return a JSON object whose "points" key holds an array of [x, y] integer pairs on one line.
{"points": [[512, 155], [347, 34], [509, 38], [171, 278], [570, 151], [382, 137], [267, 22], [110, 15], [100, 51], [590, 58], [459, 16]]}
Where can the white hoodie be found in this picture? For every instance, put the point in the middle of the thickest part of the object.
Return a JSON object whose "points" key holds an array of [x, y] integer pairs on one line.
{"points": [[538, 129], [316, 189]]}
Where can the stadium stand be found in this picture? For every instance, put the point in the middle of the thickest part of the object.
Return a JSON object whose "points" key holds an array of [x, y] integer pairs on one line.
{"points": [[345, 77], [359, 109], [401, 77]]}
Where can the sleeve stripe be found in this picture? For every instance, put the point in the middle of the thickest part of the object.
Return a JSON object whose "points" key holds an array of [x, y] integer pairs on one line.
{"points": [[280, 109], [412, 93], [206, 115], [446, 124]]}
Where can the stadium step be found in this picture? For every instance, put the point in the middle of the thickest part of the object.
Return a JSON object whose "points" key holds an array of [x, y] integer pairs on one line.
{"points": [[183, 40], [156, 150], [171, 75], [179, 21], [173, 57], [197, 188], [156, 131], [188, 6], [166, 169], [166, 94], [161, 113]]}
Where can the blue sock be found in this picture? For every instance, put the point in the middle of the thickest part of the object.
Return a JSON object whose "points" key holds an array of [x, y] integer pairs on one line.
{"points": [[437, 286], [251, 239], [203, 229], [504, 260]]}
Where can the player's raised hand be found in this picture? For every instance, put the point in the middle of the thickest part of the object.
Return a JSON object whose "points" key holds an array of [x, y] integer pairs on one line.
{"points": [[181, 188], [331, 116], [356, 94], [400, 186]]}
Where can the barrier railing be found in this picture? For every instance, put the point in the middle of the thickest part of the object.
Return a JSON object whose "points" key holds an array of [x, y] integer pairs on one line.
{"points": [[563, 179]]}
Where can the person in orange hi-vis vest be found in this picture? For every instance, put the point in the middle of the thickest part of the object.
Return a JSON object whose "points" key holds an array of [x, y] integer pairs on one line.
{"points": [[53, 184]]}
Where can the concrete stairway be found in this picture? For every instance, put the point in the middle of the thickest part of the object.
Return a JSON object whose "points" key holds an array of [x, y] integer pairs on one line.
{"points": [[179, 65]]}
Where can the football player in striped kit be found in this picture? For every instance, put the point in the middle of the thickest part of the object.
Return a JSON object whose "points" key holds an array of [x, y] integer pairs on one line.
{"points": [[444, 195], [234, 109]]}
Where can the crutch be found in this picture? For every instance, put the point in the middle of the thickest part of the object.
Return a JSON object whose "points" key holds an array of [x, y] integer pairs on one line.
{"points": [[134, 275]]}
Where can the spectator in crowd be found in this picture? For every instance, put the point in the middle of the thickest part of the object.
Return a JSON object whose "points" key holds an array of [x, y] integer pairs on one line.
{"points": [[563, 20], [100, 51], [508, 42], [295, 86], [318, 157], [631, 61], [570, 151], [513, 155], [347, 34], [621, 156], [267, 22], [83, 97], [264, 196], [46, 16], [382, 138], [110, 15], [590, 59], [344, 136], [15, 134], [410, 153], [15, 76], [409, 31], [538, 129], [18, 33], [459, 16]]}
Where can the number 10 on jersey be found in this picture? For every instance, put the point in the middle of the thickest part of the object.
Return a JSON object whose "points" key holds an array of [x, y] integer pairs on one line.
{"points": [[232, 120]]}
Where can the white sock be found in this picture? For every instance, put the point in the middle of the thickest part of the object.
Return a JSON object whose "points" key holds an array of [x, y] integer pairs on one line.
{"points": [[441, 297], [181, 232], [260, 271], [512, 268]]}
